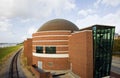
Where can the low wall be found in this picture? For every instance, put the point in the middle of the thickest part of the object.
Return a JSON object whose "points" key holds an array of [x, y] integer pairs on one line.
{"points": [[41, 74]]}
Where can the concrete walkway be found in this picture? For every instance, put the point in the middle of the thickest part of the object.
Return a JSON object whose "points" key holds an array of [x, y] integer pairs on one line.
{"points": [[115, 65]]}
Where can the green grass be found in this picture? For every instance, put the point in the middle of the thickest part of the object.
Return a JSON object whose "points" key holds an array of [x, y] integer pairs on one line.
{"points": [[7, 50]]}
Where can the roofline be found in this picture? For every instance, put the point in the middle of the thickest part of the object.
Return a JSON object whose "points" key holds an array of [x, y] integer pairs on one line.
{"points": [[54, 31], [90, 27]]}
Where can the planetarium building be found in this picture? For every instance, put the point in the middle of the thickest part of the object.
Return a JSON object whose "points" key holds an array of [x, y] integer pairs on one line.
{"points": [[61, 45], [50, 44]]}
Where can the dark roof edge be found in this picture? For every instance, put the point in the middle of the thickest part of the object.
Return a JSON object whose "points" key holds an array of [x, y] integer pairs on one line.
{"points": [[90, 27]]}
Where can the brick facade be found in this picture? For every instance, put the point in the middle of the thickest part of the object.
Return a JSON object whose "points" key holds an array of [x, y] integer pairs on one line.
{"points": [[81, 53], [28, 50], [80, 58], [59, 39], [53, 63]]}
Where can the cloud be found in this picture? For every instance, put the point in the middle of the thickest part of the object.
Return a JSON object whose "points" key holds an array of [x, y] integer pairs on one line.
{"points": [[25, 20], [107, 2], [86, 12], [111, 2], [109, 19], [29, 33], [33, 8], [24, 37], [6, 7], [97, 3], [5, 26], [9, 37], [32, 30]]}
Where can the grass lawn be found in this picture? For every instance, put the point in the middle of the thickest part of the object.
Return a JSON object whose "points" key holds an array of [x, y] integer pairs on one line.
{"points": [[7, 50]]}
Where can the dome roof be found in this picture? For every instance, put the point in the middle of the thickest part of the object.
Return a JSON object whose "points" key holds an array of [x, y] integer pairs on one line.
{"points": [[58, 24]]}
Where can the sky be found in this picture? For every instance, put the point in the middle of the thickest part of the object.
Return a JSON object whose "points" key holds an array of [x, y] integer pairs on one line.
{"points": [[20, 18]]}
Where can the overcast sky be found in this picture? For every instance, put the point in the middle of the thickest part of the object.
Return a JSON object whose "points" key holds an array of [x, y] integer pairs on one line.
{"points": [[20, 18]]}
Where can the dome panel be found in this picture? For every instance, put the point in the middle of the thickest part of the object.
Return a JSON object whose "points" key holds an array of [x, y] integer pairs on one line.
{"points": [[58, 24]]}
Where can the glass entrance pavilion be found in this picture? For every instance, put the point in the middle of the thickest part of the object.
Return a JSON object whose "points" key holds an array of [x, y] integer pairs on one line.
{"points": [[103, 37]]}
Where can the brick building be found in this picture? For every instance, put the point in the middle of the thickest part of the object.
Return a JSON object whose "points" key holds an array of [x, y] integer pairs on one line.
{"points": [[28, 50], [61, 45]]}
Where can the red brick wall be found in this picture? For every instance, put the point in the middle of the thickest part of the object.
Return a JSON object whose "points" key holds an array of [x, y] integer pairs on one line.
{"points": [[28, 50], [41, 74], [50, 43], [81, 53], [35, 60], [57, 39], [49, 38], [51, 33], [57, 63], [25, 48]]}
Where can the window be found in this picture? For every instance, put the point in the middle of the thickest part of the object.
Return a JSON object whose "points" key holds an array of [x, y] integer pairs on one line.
{"points": [[39, 49], [50, 50]]}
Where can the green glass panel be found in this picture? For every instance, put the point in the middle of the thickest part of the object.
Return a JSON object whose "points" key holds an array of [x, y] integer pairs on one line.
{"points": [[103, 43]]}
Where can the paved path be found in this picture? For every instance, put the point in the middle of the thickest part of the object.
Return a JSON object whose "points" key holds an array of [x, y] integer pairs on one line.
{"points": [[21, 73], [115, 69], [116, 61], [114, 75]]}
